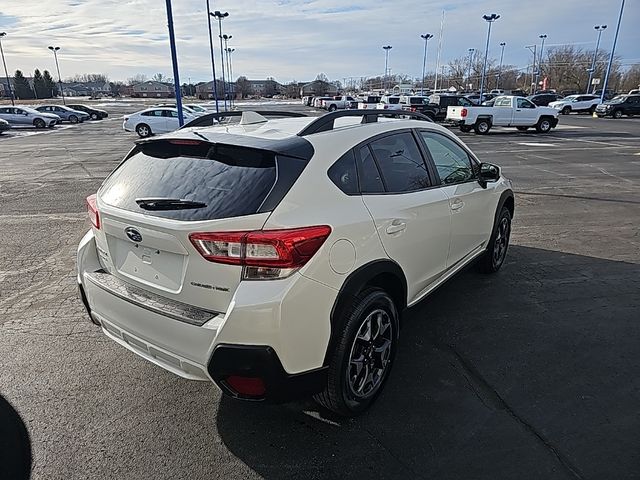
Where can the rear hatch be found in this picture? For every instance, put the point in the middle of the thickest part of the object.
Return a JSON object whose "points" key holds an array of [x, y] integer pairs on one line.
{"points": [[167, 190]]}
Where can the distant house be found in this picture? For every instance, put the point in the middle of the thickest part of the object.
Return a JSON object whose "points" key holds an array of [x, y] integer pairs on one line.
{"points": [[318, 88], [75, 90], [204, 90], [153, 89], [126, 90], [266, 88]]}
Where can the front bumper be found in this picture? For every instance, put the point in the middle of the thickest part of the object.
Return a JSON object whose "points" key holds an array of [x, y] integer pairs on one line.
{"points": [[277, 330]]}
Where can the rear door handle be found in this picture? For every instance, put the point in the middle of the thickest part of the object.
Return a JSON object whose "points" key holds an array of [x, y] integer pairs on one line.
{"points": [[396, 227], [457, 204]]}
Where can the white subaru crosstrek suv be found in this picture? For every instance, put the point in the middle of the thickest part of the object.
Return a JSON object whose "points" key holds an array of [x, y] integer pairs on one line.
{"points": [[275, 258]]}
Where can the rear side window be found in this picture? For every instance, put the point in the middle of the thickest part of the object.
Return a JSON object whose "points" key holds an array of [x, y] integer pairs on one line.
{"points": [[370, 180], [400, 163], [343, 173], [230, 181]]}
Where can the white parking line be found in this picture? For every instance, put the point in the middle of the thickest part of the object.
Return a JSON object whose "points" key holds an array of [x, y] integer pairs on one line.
{"points": [[537, 144]]}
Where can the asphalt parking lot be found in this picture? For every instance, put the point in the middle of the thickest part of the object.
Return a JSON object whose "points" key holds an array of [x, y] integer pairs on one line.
{"points": [[531, 373]]}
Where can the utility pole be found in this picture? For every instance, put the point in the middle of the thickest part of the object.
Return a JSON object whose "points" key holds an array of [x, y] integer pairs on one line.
{"points": [[386, 49], [471, 51], [55, 55], [6, 73], [174, 61], [500, 71]]}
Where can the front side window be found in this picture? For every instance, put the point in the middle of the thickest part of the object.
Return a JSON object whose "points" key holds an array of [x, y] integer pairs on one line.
{"points": [[451, 160], [400, 163], [524, 103]]}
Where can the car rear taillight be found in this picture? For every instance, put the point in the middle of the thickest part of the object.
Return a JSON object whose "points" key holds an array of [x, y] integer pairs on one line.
{"points": [[264, 254], [92, 211], [413, 109], [463, 112]]}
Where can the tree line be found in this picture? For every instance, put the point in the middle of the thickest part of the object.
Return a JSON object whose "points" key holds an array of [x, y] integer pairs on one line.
{"points": [[43, 85]]}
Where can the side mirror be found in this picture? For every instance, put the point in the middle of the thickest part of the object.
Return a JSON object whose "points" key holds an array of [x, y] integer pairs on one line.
{"points": [[488, 173]]}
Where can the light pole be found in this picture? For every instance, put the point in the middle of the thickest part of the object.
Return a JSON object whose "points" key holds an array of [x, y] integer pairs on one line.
{"points": [[426, 37], [613, 51], [543, 38], [6, 73], [55, 55], [220, 15], [226, 39], [500, 71], [532, 85], [386, 49], [592, 70], [174, 61], [232, 85], [471, 52], [490, 19], [213, 62]]}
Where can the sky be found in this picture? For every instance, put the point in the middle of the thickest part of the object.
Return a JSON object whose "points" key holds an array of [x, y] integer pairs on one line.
{"points": [[297, 39]]}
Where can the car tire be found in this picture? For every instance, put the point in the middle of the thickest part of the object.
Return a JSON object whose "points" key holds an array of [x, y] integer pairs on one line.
{"points": [[95, 116], [498, 245], [482, 126], [466, 128], [617, 114], [143, 130], [39, 123], [73, 119], [332, 108], [368, 339], [523, 129], [543, 125], [566, 111]]}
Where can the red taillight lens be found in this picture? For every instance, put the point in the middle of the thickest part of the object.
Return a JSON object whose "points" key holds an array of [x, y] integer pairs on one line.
{"points": [[264, 253], [463, 112], [246, 386], [92, 211]]}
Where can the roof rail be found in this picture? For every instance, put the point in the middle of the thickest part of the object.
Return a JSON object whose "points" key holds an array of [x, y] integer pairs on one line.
{"points": [[207, 119], [326, 122]]}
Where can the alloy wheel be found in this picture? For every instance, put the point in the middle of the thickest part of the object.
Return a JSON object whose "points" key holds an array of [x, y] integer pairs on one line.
{"points": [[501, 242], [370, 354]]}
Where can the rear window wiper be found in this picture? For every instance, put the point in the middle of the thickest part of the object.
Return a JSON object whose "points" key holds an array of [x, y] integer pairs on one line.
{"points": [[168, 204]]}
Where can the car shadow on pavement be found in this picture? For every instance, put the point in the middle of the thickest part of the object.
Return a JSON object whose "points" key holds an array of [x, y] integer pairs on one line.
{"points": [[530, 373]]}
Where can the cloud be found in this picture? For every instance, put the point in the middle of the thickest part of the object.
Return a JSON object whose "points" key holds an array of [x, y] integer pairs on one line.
{"points": [[294, 39]]}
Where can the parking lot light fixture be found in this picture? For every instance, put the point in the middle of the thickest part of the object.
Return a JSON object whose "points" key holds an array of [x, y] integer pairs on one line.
{"points": [[471, 52], [600, 29], [213, 62], [543, 37], [6, 72], [502, 45], [489, 19], [221, 15], [386, 49], [532, 86], [426, 38], [226, 39], [231, 85], [55, 55]]}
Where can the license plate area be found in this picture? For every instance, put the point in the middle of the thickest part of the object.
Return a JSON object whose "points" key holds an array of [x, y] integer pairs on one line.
{"points": [[148, 265]]}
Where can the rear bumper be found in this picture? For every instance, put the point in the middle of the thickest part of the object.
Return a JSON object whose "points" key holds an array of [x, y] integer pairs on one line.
{"points": [[277, 331]]}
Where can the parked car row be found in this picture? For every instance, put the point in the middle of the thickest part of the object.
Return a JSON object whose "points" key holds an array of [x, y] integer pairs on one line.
{"points": [[47, 116]]}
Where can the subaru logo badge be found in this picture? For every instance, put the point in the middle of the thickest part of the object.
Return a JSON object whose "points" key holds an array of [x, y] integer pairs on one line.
{"points": [[133, 234]]}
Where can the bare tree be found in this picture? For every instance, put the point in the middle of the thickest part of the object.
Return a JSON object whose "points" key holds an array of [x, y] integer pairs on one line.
{"points": [[137, 78]]}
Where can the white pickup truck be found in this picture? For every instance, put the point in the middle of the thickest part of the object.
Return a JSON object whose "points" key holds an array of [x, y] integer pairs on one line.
{"points": [[507, 111], [390, 102], [338, 103]]}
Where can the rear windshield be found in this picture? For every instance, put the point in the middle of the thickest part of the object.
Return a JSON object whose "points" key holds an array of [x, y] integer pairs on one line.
{"points": [[230, 181]]}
